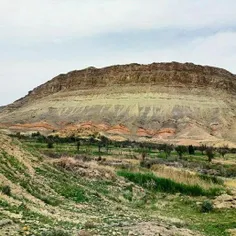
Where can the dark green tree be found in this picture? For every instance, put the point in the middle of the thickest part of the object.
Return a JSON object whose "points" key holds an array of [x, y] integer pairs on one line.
{"points": [[223, 151], [167, 149], [50, 144], [203, 148], [181, 150], [78, 145], [210, 153], [191, 150]]}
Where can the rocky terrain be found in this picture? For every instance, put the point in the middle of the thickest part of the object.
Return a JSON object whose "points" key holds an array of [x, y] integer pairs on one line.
{"points": [[161, 102]]}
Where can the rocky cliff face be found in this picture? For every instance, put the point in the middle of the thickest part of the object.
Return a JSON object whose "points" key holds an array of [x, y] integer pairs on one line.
{"points": [[163, 101]]}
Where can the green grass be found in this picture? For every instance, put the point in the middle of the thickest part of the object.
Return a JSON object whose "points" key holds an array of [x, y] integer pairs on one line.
{"points": [[65, 185], [73, 192], [154, 183]]}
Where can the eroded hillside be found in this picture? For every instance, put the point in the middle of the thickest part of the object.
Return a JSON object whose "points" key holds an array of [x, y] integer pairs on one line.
{"points": [[167, 102]]}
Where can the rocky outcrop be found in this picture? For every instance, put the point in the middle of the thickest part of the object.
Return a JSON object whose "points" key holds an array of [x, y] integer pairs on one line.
{"points": [[225, 201]]}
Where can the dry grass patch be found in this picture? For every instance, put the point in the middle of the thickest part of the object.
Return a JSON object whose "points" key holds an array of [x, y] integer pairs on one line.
{"points": [[231, 183], [89, 169], [181, 176]]}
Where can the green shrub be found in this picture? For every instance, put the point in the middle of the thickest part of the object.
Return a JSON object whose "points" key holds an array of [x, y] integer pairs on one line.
{"points": [[154, 183], [207, 206], [6, 190]]}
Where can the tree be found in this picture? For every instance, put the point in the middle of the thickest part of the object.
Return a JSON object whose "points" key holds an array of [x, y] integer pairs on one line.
{"points": [[143, 155], [191, 150], [180, 150], [167, 149], [18, 135], [105, 142], [203, 148], [99, 146], [223, 150], [91, 140], [210, 153], [50, 143], [78, 145]]}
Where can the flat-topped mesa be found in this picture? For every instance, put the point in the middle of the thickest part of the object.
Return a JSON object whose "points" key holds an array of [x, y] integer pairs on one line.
{"points": [[167, 74], [163, 101]]}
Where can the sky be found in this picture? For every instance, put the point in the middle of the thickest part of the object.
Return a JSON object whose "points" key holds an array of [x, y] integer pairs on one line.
{"points": [[40, 39]]}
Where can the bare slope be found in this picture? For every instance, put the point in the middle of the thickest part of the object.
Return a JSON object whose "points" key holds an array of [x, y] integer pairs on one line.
{"points": [[165, 101]]}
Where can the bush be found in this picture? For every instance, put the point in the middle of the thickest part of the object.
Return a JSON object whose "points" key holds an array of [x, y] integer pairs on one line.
{"points": [[154, 183], [207, 206], [6, 190]]}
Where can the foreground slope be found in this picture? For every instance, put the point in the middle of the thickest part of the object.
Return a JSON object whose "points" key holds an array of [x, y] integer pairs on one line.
{"points": [[83, 196], [183, 103], [48, 195]]}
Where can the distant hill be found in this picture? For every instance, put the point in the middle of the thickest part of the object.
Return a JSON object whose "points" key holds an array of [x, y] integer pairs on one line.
{"points": [[161, 102]]}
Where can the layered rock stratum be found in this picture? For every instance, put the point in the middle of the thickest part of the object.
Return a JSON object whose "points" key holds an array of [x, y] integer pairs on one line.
{"points": [[159, 102]]}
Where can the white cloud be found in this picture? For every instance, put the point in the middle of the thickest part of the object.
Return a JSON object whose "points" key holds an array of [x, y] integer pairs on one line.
{"points": [[52, 19]]}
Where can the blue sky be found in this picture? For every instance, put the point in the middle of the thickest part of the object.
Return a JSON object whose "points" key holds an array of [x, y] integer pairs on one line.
{"points": [[42, 38]]}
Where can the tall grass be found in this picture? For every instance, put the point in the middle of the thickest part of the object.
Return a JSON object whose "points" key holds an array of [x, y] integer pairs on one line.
{"points": [[187, 177], [154, 183]]}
